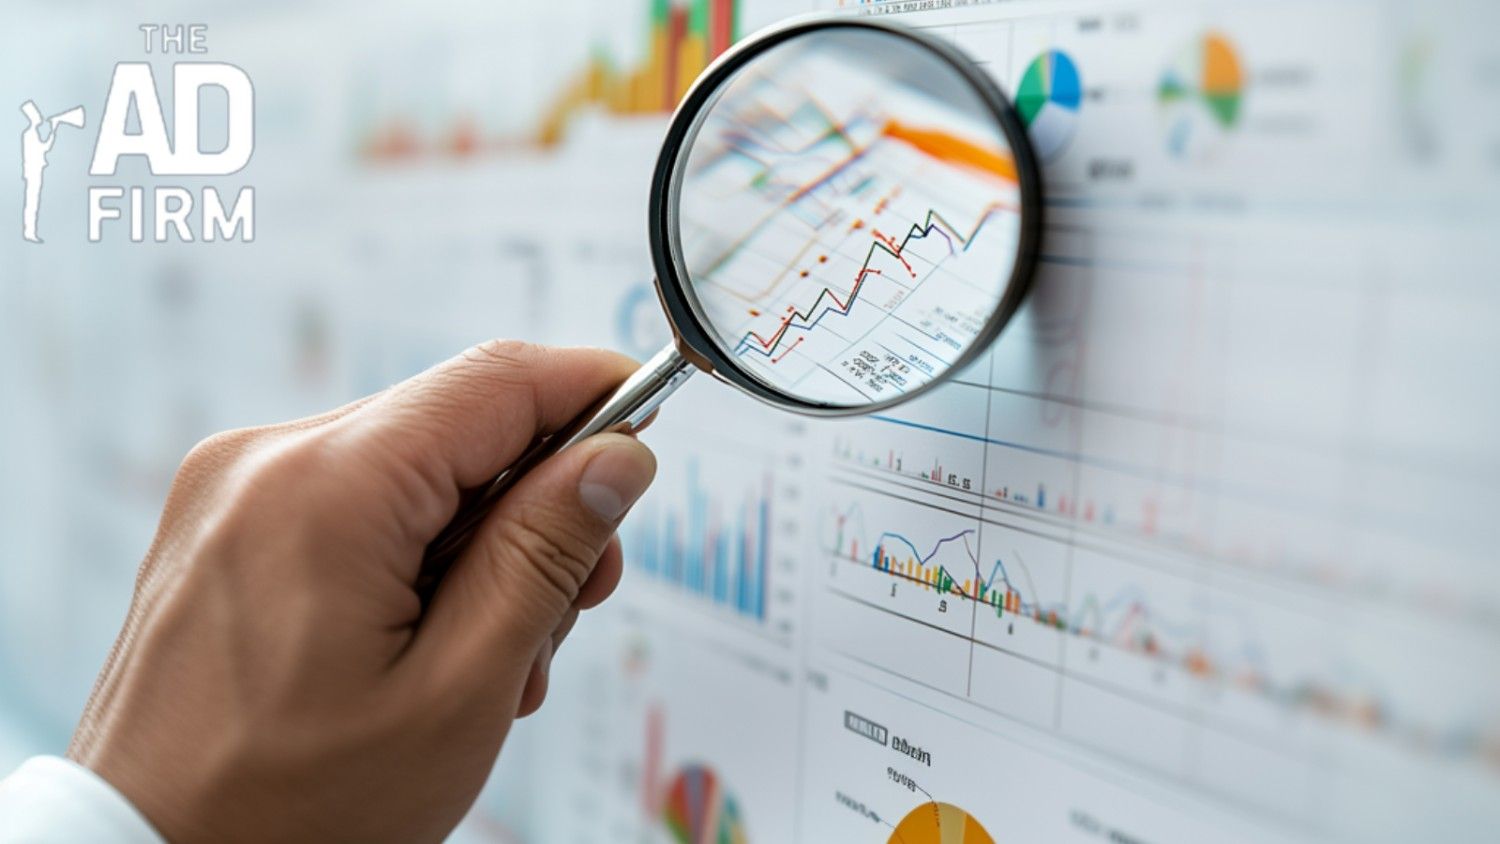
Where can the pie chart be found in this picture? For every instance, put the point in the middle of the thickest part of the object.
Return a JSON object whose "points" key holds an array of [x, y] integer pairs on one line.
{"points": [[939, 823], [1202, 93], [699, 810], [1048, 100]]}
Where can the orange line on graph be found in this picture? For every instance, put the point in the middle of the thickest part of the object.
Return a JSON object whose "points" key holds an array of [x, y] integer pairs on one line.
{"points": [[953, 149]]}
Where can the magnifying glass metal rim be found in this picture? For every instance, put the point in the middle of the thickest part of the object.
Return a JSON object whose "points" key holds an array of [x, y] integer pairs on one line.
{"points": [[695, 338], [693, 346]]}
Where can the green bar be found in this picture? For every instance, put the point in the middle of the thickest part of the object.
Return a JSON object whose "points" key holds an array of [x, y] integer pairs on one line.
{"points": [[698, 18]]}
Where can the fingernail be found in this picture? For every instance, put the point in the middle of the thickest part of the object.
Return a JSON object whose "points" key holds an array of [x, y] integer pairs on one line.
{"points": [[616, 476]]}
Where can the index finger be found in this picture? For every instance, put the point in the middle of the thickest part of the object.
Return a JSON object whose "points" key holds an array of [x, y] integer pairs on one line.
{"points": [[469, 417]]}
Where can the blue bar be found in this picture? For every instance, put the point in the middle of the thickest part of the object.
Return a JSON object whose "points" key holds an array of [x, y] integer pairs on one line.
{"points": [[762, 554], [673, 567], [725, 560]]}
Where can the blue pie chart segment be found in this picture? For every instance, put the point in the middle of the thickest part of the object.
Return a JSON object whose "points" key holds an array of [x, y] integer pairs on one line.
{"points": [[1049, 98]]}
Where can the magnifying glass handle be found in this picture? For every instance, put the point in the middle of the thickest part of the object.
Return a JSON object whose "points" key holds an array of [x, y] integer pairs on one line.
{"points": [[624, 410]]}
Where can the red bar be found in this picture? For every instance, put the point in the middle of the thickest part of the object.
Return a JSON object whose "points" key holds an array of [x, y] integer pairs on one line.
{"points": [[676, 31], [720, 26], [652, 767]]}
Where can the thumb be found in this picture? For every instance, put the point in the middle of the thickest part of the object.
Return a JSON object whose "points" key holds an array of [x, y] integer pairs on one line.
{"points": [[527, 562]]}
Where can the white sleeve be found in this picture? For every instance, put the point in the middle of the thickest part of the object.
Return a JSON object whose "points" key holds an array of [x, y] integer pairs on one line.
{"points": [[50, 800]]}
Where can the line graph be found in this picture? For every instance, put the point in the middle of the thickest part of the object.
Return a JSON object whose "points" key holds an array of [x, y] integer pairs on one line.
{"points": [[1031, 473], [1119, 619], [799, 319], [1113, 614], [848, 240]]}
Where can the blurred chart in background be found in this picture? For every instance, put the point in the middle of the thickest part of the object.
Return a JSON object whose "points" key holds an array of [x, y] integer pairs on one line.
{"points": [[1202, 550]]}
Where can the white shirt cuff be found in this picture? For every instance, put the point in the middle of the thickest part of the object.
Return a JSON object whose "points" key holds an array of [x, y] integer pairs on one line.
{"points": [[50, 800]]}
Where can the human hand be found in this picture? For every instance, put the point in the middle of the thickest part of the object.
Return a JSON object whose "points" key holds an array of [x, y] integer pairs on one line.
{"points": [[277, 677]]}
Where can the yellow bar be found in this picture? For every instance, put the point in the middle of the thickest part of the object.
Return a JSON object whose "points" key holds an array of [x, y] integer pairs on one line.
{"points": [[692, 57], [656, 75]]}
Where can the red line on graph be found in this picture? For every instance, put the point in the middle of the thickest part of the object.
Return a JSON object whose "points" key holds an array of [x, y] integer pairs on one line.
{"points": [[933, 222], [770, 342], [788, 351], [895, 250]]}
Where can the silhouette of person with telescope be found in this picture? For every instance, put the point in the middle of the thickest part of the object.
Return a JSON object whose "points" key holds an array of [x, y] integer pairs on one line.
{"points": [[34, 151]]}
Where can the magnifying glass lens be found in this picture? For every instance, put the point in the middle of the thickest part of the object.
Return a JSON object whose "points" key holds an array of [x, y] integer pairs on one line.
{"points": [[848, 210]]}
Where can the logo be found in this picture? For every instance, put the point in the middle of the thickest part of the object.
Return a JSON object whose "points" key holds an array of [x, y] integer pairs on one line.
{"points": [[34, 149], [133, 92]]}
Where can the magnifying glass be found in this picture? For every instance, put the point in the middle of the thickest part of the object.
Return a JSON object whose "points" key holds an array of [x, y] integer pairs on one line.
{"points": [[843, 213]]}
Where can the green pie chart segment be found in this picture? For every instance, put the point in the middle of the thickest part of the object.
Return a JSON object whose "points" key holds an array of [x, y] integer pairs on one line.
{"points": [[1049, 99]]}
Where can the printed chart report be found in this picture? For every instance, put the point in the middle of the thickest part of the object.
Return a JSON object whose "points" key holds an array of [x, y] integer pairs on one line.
{"points": [[1202, 549], [848, 241]]}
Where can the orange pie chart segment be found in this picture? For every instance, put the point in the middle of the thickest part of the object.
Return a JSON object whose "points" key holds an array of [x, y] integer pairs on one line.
{"points": [[939, 823]]}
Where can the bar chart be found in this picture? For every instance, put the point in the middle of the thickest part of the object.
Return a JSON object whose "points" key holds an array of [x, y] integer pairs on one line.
{"points": [[713, 547]]}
